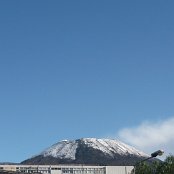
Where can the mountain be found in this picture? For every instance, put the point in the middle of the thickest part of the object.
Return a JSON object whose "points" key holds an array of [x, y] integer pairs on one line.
{"points": [[89, 151], [8, 163]]}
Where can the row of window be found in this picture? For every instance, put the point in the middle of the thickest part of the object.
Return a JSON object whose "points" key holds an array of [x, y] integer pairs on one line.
{"points": [[47, 170], [83, 170], [55, 168]]}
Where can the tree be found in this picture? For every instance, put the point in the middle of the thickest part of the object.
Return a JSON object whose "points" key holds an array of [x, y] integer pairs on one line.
{"points": [[164, 167], [169, 165]]}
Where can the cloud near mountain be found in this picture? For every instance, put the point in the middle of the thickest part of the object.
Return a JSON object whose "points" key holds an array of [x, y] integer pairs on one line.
{"points": [[151, 136]]}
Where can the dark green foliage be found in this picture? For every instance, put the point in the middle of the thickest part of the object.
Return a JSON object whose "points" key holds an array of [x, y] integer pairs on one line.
{"points": [[166, 167]]}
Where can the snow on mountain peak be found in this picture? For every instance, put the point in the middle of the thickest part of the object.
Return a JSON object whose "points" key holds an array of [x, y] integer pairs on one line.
{"points": [[110, 146], [66, 149]]}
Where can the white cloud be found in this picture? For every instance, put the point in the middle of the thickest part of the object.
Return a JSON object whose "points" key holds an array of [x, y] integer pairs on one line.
{"points": [[151, 136]]}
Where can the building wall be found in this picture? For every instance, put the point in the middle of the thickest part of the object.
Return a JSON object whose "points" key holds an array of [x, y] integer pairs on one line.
{"points": [[8, 167], [68, 169], [119, 169]]}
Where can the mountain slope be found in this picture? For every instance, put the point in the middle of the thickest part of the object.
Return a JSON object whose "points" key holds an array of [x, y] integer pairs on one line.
{"points": [[88, 151]]}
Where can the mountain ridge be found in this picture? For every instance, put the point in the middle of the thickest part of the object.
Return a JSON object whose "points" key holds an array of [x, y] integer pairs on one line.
{"points": [[88, 151]]}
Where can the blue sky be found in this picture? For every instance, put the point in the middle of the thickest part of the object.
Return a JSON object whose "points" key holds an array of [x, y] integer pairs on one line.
{"points": [[72, 69]]}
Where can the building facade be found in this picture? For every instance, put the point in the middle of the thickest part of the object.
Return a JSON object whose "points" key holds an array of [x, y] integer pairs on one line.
{"points": [[67, 169]]}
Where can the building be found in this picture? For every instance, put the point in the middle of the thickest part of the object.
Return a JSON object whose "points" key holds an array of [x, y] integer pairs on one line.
{"points": [[67, 169]]}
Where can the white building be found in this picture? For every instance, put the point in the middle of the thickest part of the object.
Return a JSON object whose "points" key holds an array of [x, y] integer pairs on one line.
{"points": [[68, 169]]}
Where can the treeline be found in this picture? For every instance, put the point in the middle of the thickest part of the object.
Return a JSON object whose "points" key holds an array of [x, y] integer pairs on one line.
{"points": [[164, 167]]}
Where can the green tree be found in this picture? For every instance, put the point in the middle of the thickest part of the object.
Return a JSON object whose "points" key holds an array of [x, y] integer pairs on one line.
{"points": [[165, 167], [169, 165]]}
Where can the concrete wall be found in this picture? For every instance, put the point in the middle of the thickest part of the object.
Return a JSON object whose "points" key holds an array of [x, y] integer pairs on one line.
{"points": [[56, 172], [119, 169], [8, 167]]}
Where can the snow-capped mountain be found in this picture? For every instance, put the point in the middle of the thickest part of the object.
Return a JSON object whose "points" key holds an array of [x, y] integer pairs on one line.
{"points": [[88, 151], [63, 149]]}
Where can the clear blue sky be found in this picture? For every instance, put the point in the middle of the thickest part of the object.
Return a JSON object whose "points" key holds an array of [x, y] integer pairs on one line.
{"points": [[72, 69]]}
